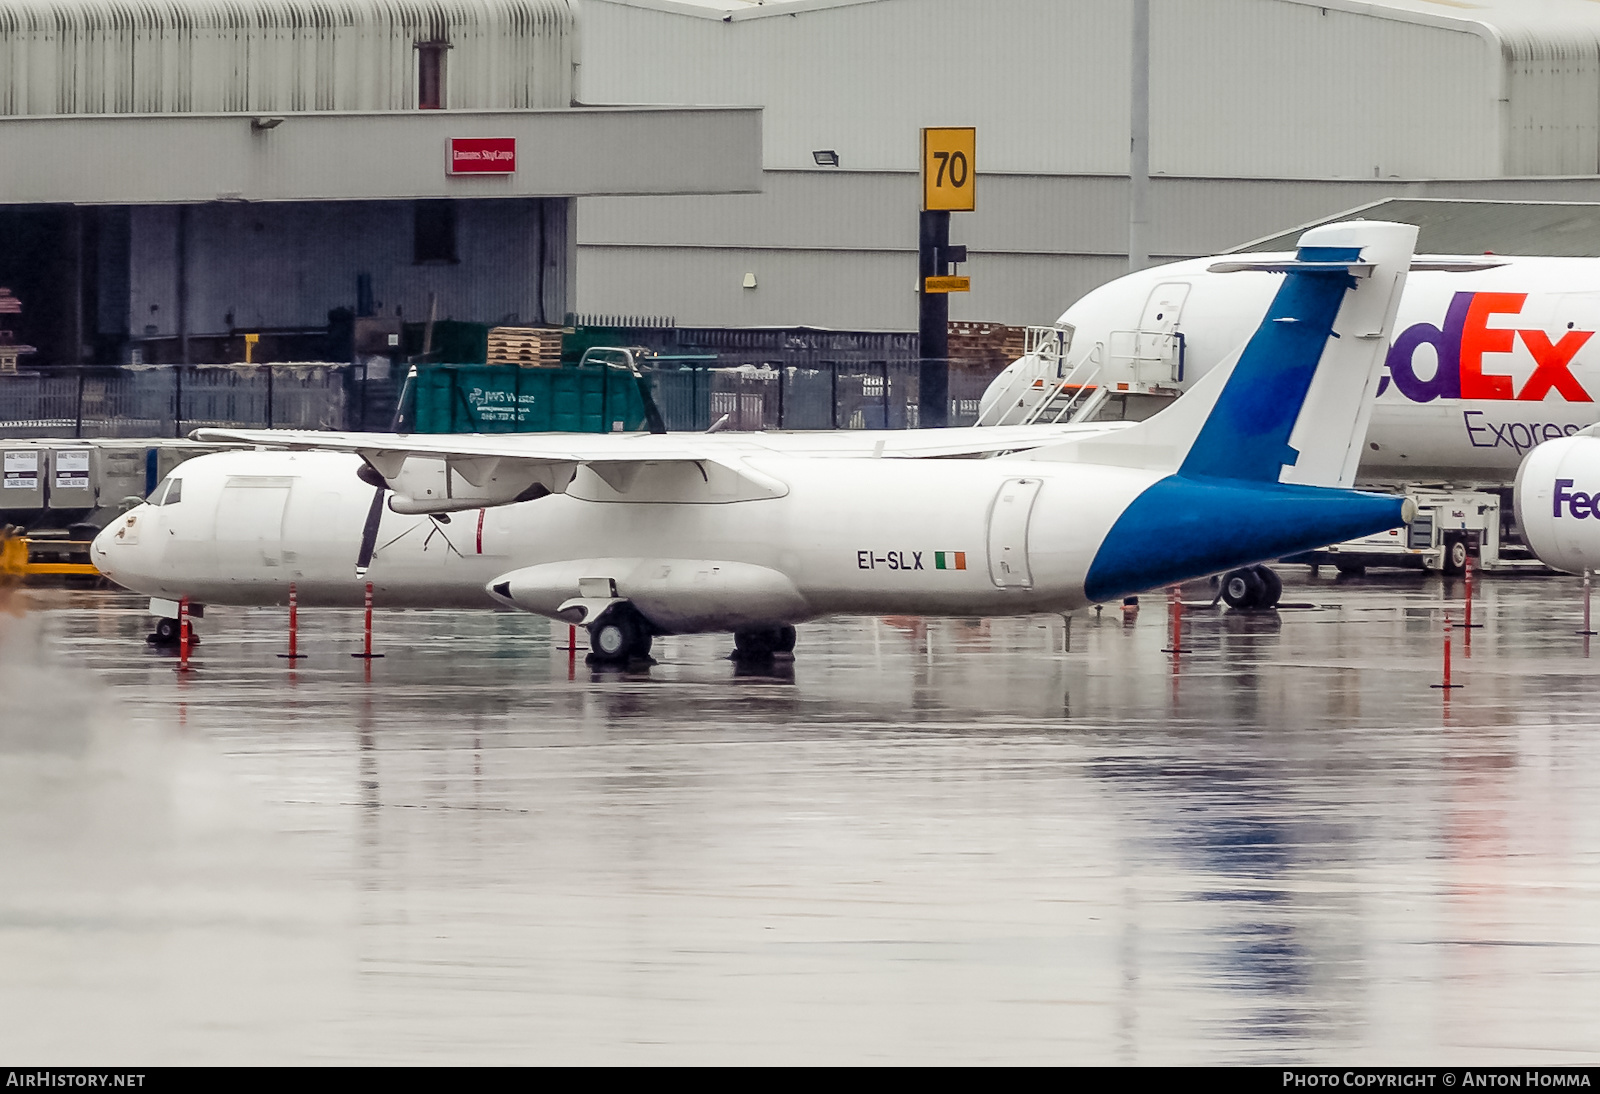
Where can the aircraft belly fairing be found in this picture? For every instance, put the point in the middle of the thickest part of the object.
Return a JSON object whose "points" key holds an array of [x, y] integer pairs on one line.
{"points": [[677, 595]]}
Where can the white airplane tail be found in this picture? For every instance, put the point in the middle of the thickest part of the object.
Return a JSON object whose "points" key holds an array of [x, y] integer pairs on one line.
{"points": [[1292, 405]]}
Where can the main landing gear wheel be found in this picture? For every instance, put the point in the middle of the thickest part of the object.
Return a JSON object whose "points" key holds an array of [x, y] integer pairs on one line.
{"points": [[1251, 588], [762, 643], [619, 637], [166, 634], [1272, 586]]}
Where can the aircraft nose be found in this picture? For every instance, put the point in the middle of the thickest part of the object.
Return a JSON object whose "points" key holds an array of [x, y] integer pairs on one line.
{"points": [[100, 549], [112, 550]]}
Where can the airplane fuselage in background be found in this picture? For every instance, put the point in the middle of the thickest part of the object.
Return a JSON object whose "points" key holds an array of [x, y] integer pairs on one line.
{"points": [[1483, 366]]}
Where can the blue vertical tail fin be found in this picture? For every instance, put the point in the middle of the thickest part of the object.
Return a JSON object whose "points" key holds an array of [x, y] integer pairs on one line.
{"points": [[1292, 405]]}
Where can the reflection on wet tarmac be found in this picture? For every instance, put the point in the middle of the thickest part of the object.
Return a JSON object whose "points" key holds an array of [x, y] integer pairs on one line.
{"points": [[934, 841]]}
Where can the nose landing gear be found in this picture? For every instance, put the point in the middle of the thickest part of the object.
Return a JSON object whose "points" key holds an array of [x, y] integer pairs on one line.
{"points": [[165, 636], [1252, 588]]}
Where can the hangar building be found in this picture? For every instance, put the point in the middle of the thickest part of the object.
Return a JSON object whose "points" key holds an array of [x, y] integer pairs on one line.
{"points": [[1264, 114], [176, 173]]}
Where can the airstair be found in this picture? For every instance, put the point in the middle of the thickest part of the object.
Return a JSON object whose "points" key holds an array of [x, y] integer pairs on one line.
{"points": [[1056, 390], [1052, 389]]}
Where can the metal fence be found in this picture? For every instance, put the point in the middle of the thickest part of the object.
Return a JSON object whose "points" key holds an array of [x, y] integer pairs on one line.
{"points": [[825, 395], [752, 390], [170, 400], [795, 377]]}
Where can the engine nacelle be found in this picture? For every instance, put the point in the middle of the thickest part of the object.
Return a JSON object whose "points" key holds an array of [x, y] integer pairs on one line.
{"points": [[1558, 502], [424, 484]]}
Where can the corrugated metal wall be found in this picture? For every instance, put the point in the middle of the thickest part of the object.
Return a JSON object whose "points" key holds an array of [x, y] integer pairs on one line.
{"points": [[1552, 103], [1265, 114], [204, 56], [824, 210], [1263, 88], [1238, 87], [286, 265], [838, 249]]}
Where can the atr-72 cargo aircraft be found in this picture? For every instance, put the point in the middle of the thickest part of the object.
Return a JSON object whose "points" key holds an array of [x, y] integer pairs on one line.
{"points": [[679, 533]]}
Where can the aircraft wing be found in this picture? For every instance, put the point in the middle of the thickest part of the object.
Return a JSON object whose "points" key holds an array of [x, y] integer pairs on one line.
{"points": [[448, 472], [439, 473], [891, 444], [960, 441]]}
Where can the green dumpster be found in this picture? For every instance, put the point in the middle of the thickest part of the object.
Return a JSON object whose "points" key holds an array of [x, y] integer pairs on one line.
{"points": [[590, 398]]}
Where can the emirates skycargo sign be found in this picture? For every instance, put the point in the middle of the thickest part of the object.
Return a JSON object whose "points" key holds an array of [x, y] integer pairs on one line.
{"points": [[482, 155]]}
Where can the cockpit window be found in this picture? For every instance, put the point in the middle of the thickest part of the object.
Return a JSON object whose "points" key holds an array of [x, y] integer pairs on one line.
{"points": [[170, 492]]}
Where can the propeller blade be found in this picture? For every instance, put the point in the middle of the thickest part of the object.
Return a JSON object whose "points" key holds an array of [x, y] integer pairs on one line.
{"points": [[369, 534]]}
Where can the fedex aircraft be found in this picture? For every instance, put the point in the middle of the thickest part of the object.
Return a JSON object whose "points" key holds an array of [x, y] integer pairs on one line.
{"points": [[1491, 356], [668, 534], [1558, 501]]}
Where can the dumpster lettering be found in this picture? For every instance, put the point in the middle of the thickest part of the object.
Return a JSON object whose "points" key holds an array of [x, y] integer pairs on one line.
{"points": [[489, 405]]}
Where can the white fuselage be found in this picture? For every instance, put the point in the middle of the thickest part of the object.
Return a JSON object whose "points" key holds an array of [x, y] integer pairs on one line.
{"points": [[1458, 401], [863, 536]]}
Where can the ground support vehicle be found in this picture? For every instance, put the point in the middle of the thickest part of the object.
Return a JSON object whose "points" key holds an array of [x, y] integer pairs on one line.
{"points": [[1450, 526]]}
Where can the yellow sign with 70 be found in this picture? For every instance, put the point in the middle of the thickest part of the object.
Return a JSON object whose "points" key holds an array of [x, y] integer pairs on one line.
{"points": [[948, 168]]}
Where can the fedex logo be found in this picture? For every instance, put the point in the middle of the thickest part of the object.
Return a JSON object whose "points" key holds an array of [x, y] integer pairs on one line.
{"points": [[1463, 340], [1579, 504]]}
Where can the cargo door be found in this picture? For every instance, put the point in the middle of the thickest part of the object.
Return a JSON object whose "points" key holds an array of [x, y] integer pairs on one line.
{"points": [[1157, 358], [1008, 533], [250, 522]]}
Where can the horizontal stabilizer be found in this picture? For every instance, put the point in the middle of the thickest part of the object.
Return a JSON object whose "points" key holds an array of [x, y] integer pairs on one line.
{"points": [[1455, 265], [1418, 265], [1354, 269]]}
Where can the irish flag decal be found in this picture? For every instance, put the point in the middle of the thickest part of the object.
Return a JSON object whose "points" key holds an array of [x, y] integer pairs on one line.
{"points": [[949, 560]]}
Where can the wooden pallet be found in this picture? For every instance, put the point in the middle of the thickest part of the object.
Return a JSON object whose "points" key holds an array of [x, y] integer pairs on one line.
{"points": [[525, 345], [986, 340]]}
